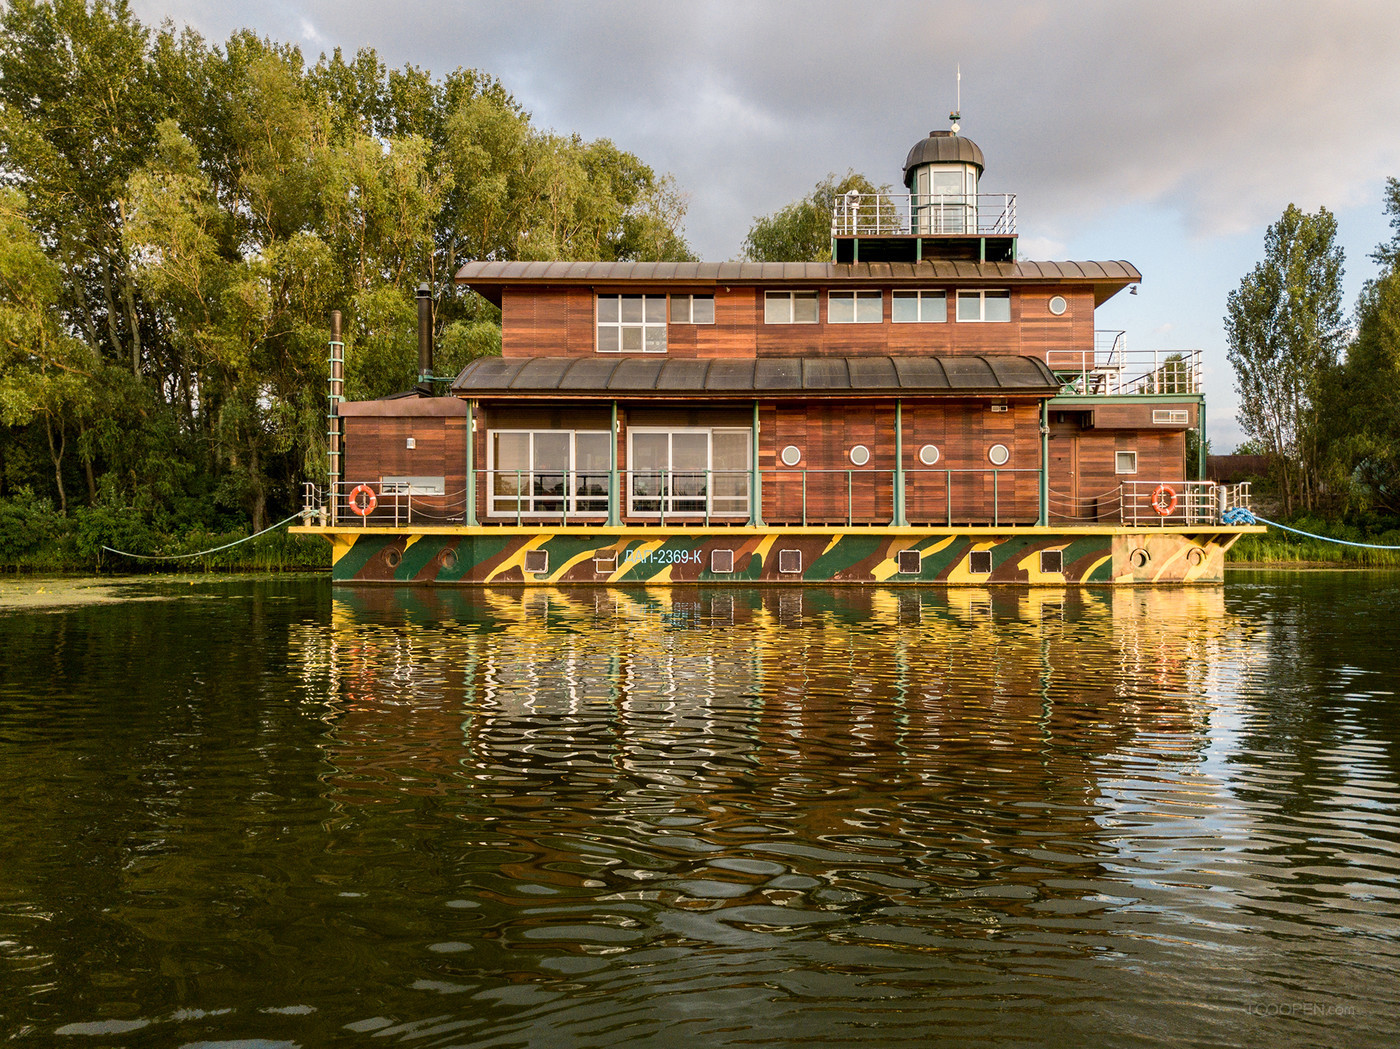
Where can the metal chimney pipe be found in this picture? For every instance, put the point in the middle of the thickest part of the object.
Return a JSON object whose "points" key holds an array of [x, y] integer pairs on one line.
{"points": [[425, 334]]}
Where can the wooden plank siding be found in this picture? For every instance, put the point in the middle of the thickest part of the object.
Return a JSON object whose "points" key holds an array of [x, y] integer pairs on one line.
{"points": [[377, 447], [1083, 479], [559, 322]]}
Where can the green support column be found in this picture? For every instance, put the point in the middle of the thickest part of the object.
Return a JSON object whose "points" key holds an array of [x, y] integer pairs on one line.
{"points": [[900, 520], [614, 489], [1201, 441], [755, 478], [471, 469], [1044, 519]]}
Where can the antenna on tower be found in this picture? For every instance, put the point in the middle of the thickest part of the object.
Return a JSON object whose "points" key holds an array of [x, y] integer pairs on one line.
{"points": [[956, 114]]}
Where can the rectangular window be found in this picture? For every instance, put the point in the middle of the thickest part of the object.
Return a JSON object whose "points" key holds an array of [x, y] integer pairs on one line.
{"points": [[631, 323], [919, 307], [789, 307], [855, 307], [692, 309], [554, 473], [690, 472], [1125, 462], [413, 486], [1170, 416], [984, 306]]}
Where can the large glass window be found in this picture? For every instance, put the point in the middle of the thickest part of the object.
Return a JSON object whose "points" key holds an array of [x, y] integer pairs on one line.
{"points": [[919, 307], [789, 307], [549, 472], [689, 472], [984, 306], [855, 307], [631, 323]]}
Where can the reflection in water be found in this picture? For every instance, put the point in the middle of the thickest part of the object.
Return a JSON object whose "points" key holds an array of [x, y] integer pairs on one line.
{"points": [[591, 817]]}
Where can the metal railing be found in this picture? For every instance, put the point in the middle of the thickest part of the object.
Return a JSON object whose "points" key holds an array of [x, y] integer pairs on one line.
{"points": [[923, 214], [1148, 503], [944, 498], [1110, 368]]}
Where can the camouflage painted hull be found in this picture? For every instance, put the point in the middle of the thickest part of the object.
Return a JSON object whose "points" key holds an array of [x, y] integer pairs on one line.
{"points": [[885, 556]]}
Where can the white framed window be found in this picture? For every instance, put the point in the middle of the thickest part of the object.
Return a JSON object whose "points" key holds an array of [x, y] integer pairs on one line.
{"points": [[548, 472], [919, 307], [860, 455], [1058, 305], [689, 472], [1125, 462], [692, 309], [984, 306], [928, 454], [789, 307], [1170, 416], [631, 323], [855, 307], [791, 455], [998, 455]]}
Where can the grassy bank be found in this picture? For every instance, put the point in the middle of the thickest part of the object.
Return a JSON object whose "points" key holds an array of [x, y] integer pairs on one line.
{"points": [[36, 538], [1278, 547]]}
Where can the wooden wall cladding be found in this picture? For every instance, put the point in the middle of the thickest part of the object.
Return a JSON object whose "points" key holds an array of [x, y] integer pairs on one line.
{"points": [[1084, 482], [963, 485], [1140, 416], [559, 322], [377, 447]]}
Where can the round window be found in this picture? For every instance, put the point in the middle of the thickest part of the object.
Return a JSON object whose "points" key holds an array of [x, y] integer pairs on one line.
{"points": [[998, 454], [1058, 305], [792, 455], [928, 454], [860, 455]]}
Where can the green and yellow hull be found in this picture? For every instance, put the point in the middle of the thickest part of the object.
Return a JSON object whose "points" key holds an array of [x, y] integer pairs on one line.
{"points": [[621, 556]]}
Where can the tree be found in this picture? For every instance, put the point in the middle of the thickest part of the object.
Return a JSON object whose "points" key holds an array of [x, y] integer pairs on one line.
{"points": [[801, 232], [1285, 329]]}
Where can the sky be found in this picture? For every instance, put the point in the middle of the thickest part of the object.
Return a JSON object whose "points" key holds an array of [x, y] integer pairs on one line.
{"points": [[1169, 135]]}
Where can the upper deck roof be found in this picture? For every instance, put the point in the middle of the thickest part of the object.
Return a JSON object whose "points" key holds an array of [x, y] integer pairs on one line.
{"points": [[489, 279]]}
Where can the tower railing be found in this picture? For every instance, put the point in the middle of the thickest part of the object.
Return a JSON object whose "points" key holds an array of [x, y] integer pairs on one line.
{"points": [[923, 214]]}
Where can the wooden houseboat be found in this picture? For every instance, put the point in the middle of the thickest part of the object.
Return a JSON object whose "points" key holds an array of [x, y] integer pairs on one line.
{"points": [[924, 408]]}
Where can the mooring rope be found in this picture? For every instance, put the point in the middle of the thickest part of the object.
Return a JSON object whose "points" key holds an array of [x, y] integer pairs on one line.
{"points": [[1241, 516], [202, 553]]}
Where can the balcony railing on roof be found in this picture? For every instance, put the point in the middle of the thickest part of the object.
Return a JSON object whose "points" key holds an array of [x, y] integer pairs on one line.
{"points": [[923, 214], [1112, 369]]}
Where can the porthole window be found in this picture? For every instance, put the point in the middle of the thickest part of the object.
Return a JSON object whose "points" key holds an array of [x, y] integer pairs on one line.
{"points": [[1058, 305], [792, 455], [998, 454], [928, 454], [860, 455]]}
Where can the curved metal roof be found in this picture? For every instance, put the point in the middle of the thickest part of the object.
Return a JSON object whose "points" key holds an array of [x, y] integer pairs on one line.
{"points": [[746, 378], [943, 147], [498, 274]]}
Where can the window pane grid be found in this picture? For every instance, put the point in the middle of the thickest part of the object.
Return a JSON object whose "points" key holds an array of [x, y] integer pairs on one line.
{"points": [[549, 472], [790, 307], [631, 323], [689, 472], [919, 307], [855, 307]]}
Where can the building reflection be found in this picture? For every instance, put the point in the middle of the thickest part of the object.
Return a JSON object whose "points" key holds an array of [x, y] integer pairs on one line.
{"points": [[729, 748]]}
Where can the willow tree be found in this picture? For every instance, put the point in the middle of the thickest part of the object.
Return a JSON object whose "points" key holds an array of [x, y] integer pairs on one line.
{"points": [[1285, 331], [801, 232]]}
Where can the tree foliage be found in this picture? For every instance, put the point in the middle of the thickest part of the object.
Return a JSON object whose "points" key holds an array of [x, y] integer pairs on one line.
{"points": [[1285, 330], [801, 232], [177, 219]]}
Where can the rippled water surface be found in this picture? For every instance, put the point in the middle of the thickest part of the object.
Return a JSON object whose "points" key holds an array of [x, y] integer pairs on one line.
{"points": [[274, 814]]}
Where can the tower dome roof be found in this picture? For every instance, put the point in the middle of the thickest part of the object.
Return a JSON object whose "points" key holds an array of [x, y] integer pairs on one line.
{"points": [[943, 147]]}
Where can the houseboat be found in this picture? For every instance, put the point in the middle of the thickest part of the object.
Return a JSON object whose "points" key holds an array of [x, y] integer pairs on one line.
{"points": [[925, 408]]}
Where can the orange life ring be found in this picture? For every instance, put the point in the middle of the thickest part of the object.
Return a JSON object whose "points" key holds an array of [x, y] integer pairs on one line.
{"points": [[371, 501], [1164, 499]]}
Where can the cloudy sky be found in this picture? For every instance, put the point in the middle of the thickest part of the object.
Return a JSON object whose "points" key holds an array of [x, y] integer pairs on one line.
{"points": [[1166, 134]]}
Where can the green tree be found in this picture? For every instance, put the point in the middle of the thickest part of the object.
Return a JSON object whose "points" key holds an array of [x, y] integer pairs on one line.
{"points": [[1285, 329], [801, 232]]}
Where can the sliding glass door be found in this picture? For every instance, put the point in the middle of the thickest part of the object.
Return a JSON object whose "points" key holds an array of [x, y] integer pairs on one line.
{"points": [[689, 472], [550, 473]]}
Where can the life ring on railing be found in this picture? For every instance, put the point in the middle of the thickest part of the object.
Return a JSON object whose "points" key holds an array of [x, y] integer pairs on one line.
{"points": [[371, 501], [1164, 499]]}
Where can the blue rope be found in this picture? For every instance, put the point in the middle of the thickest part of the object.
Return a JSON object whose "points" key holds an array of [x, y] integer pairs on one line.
{"points": [[1240, 516]]}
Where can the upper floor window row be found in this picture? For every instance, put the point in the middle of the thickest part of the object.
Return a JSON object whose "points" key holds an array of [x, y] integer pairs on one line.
{"points": [[867, 307], [637, 323]]}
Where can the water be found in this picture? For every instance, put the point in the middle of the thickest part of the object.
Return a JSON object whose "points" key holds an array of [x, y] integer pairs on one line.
{"points": [[265, 814]]}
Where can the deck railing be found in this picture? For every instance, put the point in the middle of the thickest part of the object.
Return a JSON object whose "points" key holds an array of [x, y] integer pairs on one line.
{"points": [[946, 498], [923, 214], [1110, 368]]}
